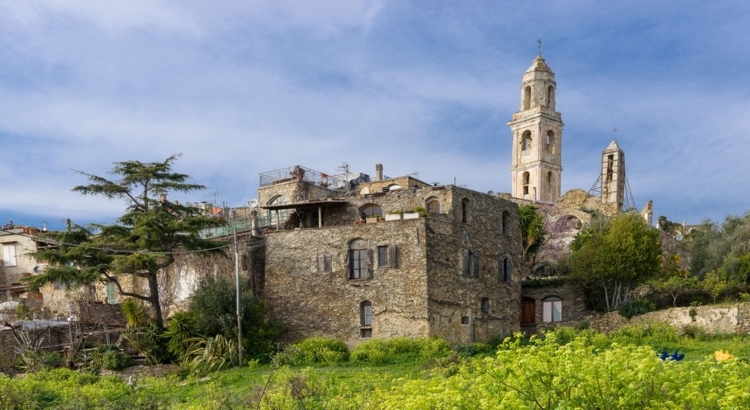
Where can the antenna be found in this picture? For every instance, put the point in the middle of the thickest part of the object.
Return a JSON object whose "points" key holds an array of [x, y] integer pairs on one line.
{"points": [[215, 195]]}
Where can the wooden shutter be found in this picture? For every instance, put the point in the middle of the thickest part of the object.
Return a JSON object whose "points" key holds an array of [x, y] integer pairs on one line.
{"points": [[392, 255], [369, 263], [465, 262], [475, 265]]}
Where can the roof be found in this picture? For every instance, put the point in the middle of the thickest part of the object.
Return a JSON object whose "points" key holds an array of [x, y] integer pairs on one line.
{"points": [[539, 65], [292, 205]]}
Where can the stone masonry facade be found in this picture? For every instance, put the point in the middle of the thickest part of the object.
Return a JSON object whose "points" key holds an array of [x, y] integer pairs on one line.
{"points": [[450, 273]]}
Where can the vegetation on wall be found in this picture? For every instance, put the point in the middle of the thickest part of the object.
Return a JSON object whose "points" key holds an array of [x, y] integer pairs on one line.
{"points": [[532, 231]]}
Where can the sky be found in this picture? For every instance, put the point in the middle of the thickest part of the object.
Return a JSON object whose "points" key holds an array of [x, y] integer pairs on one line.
{"points": [[424, 87]]}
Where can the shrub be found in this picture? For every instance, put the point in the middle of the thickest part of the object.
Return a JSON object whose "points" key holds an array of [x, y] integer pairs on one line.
{"points": [[399, 350], [636, 307], [214, 308], [207, 355], [181, 327], [318, 350], [134, 312], [474, 349]]}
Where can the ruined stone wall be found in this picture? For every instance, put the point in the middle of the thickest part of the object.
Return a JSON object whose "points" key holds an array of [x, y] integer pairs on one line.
{"points": [[455, 298], [310, 302], [294, 191], [714, 319]]}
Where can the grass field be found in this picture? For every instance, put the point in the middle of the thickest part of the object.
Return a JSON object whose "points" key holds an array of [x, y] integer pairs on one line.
{"points": [[568, 369]]}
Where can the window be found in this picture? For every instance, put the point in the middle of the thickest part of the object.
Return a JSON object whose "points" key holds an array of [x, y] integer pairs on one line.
{"points": [[365, 319], [359, 260], [550, 182], [278, 217], [526, 141], [9, 255], [610, 164], [433, 206], [464, 320], [505, 270], [550, 142], [550, 95], [527, 98], [484, 305], [370, 210], [387, 256], [111, 295], [552, 309], [469, 263], [465, 210], [526, 178], [324, 262], [504, 228]]}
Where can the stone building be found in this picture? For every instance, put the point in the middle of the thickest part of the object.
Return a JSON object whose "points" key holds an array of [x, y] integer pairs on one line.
{"points": [[361, 264]]}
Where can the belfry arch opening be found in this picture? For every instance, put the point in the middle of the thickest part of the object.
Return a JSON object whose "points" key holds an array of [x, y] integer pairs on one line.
{"points": [[527, 97]]}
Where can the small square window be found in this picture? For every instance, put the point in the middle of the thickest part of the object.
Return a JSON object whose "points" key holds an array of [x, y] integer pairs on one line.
{"points": [[324, 262], [464, 320], [365, 332]]}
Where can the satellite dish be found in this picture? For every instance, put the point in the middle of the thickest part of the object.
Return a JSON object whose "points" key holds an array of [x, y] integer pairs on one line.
{"points": [[678, 237], [37, 269], [491, 192], [253, 203]]}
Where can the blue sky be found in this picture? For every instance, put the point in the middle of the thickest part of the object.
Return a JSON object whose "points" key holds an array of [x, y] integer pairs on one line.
{"points": [[243, 87]]}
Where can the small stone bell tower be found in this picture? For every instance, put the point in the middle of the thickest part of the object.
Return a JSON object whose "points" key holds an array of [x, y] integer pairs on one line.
{"points": [[536, 165], [613, 175]]}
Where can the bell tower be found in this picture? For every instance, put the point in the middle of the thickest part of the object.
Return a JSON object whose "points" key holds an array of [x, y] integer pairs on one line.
{"points": [[613, 175], [536, 163]]}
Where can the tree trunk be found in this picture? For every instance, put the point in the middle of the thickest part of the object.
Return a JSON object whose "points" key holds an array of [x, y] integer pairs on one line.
{"points": [[153, 289]]}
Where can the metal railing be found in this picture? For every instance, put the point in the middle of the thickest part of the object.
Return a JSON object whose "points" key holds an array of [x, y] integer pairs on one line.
{"points": [[299, 173]]}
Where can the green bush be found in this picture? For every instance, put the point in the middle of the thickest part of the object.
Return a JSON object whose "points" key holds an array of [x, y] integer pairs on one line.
{"points": [[214, 308], [636, 307], [115, 360], [654, 334], [318, 350], [180, 328], [474, 349], [399, 350]]}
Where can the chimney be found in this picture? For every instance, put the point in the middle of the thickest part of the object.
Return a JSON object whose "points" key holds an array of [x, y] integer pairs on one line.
{"points": [[378, 172]]}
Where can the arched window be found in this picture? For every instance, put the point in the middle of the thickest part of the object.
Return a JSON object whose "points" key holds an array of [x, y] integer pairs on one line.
{"points": [[465, 210], [550, 142], [484, 305], [550, 96], [526, 141], [550, 182], [526, 178], [505, 270], [552, 309], [370, 210], [365, 319], [527, 98], [504, 223], [277, 218], [433, 206]]}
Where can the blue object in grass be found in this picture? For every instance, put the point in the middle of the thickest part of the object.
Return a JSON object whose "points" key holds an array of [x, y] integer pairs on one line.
{"points": [[674, 356]]}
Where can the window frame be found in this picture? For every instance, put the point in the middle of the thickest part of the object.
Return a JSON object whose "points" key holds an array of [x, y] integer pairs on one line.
{"points": [[505, 270], [324, 263], [10, 254], [469, 263], [552, 309], [433, 206], [365, 319], [387, 256], [484, 306]]}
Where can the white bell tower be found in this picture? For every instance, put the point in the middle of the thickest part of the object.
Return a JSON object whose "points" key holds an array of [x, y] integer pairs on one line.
{"points": [[536, 165]]}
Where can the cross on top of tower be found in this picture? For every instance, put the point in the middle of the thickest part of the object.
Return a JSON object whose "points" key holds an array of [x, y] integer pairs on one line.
{"points": [[614, 133], [540, 46]]}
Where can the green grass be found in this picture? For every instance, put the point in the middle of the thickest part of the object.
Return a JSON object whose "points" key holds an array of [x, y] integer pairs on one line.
{"points": [[350, 385]]}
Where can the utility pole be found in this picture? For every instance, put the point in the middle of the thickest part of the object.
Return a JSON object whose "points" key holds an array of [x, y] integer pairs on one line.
{"points": [[237, 283]]}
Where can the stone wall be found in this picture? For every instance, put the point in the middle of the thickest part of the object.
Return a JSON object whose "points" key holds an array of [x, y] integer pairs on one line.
{"points": [[425, 294], [714, 319], [573, 306], [455, 299], [310, 302]]}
